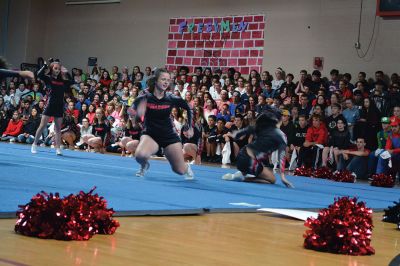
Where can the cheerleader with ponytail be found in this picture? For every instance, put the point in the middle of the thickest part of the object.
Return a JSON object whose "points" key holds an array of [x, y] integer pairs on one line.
{"points": [[253, 159], [154, 106], [57, 82]]}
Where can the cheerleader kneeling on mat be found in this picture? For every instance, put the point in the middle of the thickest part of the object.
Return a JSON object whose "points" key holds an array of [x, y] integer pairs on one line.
{"points": [[253, 159]]}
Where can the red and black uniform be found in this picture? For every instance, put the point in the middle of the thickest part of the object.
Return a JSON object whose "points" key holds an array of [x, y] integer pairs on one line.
{"points": [[157, 118], [103, 131], [195, 139], [55, 89], [268, 139], [135, 132]]}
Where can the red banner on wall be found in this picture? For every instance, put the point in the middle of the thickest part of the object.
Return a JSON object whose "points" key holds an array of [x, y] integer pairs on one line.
{"points": [[216, 42]]}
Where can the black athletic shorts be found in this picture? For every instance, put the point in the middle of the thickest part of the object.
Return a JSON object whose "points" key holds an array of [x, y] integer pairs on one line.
{"points": [[55, 111], [164, 141]]}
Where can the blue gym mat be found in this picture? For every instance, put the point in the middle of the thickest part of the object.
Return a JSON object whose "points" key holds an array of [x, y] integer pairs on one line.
{"points": [[161, 192]]}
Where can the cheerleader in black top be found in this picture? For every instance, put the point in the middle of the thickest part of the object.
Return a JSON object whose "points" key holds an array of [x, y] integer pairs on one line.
{"points": [[57, 82], [155, 106], [131, 138], [101, 132], [5, 73], [253, 159]]}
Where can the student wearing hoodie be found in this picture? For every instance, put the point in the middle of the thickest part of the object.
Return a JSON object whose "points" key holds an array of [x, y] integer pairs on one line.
{"points": [[13, 129], [316, 138]]}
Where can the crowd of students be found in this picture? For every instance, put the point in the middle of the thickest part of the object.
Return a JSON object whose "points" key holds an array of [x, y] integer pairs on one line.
{"points": [[329, 121]]}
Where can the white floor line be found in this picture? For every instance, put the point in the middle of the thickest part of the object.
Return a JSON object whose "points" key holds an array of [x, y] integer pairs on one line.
{"points": [[68, 171]]}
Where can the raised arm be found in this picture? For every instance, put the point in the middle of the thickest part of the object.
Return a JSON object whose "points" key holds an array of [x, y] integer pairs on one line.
{"points": [[12, 73]]}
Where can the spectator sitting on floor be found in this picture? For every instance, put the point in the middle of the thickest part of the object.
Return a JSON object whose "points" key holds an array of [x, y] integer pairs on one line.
{"points": [[315, 140], [29, 128], [239, 143], [13, 129], [69, 130], [382, 137], [288, 128], [100, 132], [3, 121], [393, 148], [210, 135], [338, 140], [85, 131], [299, 137], [355, 160]]}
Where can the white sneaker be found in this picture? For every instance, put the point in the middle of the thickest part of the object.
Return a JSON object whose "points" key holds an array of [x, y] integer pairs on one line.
{"points": [[58, 151], [189, 175], [142, 171], [34, 148], [233, 177], [12, 140], [228, 177]]}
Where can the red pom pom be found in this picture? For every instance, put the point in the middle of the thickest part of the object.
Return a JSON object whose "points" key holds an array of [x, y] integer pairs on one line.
{"points": [[74, 217], [323, 172], [383, 180], [303, 171], [345, 227], [344, 176]]}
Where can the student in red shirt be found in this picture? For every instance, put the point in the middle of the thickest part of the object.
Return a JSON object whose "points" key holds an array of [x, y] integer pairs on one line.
{"points": [[356, 159], [315, 138], [396, 114], [105, 79], [13, 129], [346, 92]]}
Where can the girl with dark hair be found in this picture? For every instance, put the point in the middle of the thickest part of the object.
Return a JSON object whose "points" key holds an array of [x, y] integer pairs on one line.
{"points": [[130, 140], [95, 74], [57, 83], [253, 159], [91, 113], [69, 130], [155, 107], [105, 79], [100, 132], [255, 83], [29, 128]]}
